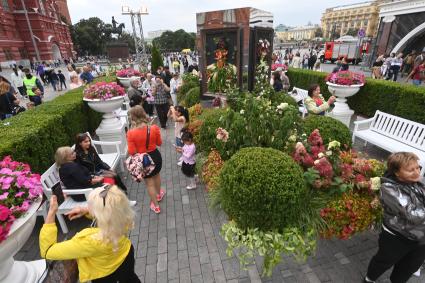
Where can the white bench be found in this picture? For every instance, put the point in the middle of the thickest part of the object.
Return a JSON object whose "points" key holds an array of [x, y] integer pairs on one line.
{"points": [[51, 177], [301, 96], [393, 134]]}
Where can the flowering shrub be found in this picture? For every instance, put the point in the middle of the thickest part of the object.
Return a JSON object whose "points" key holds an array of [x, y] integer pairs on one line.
{"points": [[127, 73], [346, 78], [195, 111], [18, 189], [222, 134], [103, 91], [211, 169]]}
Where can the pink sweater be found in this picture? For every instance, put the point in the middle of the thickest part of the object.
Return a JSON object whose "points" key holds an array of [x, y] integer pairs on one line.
{"points": [[188, 153]]}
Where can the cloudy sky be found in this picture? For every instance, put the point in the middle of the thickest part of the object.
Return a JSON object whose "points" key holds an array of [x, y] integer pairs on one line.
{"points": [[176, 14]]}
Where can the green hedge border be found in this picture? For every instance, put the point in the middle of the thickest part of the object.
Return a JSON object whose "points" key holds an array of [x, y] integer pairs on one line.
{"points": [[403, 100], [34, 135]]}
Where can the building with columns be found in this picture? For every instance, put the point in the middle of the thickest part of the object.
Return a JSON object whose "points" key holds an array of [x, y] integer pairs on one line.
{"points": [[33, 30], [297, 33], [401, 27], [337, 21]]}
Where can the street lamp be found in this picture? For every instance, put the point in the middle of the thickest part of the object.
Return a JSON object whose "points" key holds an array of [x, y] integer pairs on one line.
{"points": [[138, 41]]}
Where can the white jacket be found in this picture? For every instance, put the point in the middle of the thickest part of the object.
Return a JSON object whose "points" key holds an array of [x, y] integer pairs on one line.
{"points": [[17, 80]]}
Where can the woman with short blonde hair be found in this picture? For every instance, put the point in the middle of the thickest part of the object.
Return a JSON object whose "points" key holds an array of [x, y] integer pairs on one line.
{"points": [[103, 253]]}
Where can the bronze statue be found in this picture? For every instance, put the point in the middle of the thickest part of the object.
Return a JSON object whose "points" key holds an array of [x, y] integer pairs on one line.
{"points": [[114, 29]]}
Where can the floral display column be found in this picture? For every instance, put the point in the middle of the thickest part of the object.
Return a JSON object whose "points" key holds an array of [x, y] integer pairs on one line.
{"points": [[106, 98], [344, 84]]}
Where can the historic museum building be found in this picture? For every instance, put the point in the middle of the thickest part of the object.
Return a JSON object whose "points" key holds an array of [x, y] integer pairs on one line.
{"points": [[34, 30]]}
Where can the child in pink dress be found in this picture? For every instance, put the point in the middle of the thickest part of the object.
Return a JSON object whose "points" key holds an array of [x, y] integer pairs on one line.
{"points": [[188, 156]]}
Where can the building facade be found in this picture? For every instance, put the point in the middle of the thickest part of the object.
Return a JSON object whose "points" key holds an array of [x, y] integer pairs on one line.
{"points": [[339, 21], [298, 33], [401, 28], [50, 40]]}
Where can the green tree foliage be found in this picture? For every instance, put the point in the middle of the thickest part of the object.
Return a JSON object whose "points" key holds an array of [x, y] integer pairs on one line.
{"points": [[156, 58], [175, 41]]}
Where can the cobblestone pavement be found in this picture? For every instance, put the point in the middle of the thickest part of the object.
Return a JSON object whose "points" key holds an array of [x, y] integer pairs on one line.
{"points": [[182, 244]]}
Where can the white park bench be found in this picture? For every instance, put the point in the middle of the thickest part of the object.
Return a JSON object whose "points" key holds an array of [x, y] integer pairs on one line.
{"points": [[300, 96], [51, 177], [393, 134]]}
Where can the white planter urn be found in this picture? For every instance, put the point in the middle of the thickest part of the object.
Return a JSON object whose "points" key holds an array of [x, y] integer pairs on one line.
{"points": [[110, 120], [125, 81], [342, 111], [20, 271]]}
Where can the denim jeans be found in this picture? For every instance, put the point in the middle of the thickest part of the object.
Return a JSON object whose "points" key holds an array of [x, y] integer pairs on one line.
{"points": [[416, 82]]}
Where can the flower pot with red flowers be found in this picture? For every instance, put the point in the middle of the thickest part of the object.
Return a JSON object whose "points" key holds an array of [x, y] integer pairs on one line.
{"points": [[105, 98], [124, 76], [20, 198], [344, 84]]}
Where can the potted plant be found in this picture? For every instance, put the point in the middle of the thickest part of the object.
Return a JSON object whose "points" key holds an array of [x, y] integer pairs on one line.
{"points": [[124, 76], [343, 84], [105, 98], [20, 198]]}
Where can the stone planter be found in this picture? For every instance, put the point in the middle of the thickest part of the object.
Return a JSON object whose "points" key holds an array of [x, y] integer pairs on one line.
{"points": [[342, 111], [110, 120], [125, 81], [20, 271]]}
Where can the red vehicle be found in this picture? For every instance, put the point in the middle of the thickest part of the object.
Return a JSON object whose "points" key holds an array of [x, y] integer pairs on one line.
{"points": [[348, 48]]}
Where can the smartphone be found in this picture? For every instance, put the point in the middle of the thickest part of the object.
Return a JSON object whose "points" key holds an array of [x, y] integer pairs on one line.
{"points": [[57, 191]]}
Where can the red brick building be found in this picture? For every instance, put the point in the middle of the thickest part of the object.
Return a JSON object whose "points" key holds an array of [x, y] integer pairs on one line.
{"points": [[52, 38]]}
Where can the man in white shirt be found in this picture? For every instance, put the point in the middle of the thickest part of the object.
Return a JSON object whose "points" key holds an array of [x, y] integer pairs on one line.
{"points": [[175, 84]]}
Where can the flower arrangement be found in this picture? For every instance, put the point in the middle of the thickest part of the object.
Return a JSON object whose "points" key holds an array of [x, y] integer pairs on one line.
{"points": [[352, 182], [262, 85], [221, 75], [211, 169], [222, 134], [19, 188], [103, 91], [346, 78], [127, 73]]}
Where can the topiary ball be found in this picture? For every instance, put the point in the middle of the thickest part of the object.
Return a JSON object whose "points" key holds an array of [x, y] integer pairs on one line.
{"points": [[262, 188], [207, 132], [330, 129], [193, 96]]}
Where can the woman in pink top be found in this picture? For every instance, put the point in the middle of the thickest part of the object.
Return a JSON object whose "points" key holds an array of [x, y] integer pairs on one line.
{"points": [[188, 156]]}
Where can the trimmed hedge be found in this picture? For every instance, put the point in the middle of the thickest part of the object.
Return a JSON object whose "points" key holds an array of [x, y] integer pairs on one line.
{"points": [[192, 97], [330, 129], [34, 135], [402, 100], [263, 188]]}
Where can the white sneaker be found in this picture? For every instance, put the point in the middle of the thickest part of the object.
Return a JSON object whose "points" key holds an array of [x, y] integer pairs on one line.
{"points": [[132, 203], [180, 163], [191, 187]]}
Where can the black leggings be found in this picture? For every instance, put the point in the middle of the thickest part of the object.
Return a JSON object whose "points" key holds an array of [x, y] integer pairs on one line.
{"points": [[405, 255], [125, 272]]}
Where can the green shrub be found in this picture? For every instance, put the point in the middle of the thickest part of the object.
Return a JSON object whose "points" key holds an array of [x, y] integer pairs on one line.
{"points": [[262, 188], [283, 97], [207, 133], [34, 135], [156, 60], [184, 89], [406, 101], [330, 129], [192, 97]]}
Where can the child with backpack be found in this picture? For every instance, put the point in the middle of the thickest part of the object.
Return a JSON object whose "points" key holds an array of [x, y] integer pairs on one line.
{"points": [[188, 157]]}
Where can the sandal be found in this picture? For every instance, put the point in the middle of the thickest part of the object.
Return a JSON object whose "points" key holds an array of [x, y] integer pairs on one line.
{"points": [[161, 195], [154, 208]]}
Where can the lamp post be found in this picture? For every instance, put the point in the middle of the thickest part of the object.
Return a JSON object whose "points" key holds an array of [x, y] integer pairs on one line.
{"points": [[139, 40], [37, 53]]}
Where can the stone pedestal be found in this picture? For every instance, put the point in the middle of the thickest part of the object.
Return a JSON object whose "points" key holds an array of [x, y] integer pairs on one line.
{"points": [[117, 50]]}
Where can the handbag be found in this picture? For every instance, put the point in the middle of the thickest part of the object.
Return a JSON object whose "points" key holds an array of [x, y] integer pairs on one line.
{"points": [[15, 109], [140, 165]]}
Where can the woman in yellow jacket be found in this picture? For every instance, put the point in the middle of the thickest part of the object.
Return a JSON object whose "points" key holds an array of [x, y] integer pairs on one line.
{"points": [[315, 103], [103, 254]]}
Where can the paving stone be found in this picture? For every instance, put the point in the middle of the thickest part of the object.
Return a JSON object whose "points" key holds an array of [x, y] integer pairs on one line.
{"points": [[207, 272], [184, 275], [204, 256], [219, 276], [185, 199], [195, 265], [150, 276], [253, 274], [183, 259], [162, 245], [161, 263], [161, 277], [216, 261]]}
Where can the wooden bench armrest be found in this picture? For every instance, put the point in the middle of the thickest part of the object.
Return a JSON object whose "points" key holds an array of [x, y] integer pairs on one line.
{"points": [[362, 125]]}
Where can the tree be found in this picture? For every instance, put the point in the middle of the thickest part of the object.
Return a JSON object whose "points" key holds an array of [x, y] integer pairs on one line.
{"points": [[175, 41], [156, 58], [352, 32], [88, 36]]}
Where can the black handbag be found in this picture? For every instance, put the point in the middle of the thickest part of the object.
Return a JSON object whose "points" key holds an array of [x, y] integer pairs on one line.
{"points": [[15, 109]]}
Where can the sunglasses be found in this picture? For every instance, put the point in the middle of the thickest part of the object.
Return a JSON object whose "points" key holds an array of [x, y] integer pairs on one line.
{"points": [[104, 193]]}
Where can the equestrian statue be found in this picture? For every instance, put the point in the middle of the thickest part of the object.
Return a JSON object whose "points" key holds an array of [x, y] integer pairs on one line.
{"points": [[114, 29]]}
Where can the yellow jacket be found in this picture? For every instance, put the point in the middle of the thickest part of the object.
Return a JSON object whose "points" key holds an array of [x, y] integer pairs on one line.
{"points": [[95, 259], [311, 106]]}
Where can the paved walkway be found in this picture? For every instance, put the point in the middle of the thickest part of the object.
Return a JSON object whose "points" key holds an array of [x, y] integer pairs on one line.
{"points": [[182, 244]]}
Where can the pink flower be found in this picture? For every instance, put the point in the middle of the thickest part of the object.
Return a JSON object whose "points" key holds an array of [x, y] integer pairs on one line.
{"points": [[19, 194], [222, 134], [4, 213], [4, 231], [4, 196], [25, 205], [324, 167]]}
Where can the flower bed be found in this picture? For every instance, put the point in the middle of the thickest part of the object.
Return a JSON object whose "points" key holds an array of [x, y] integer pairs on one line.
{"points": [[103, 91], [347, 78], [19, 188], [128, 73]]}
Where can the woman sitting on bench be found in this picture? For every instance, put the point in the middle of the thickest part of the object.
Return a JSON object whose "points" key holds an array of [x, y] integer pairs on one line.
{"points": [[87, 156], [72, 174], [103, 253]]}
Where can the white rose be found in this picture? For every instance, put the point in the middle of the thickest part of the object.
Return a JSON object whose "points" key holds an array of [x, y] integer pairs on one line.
{"points": [[320, 155], [316, 161], [242, 111], [375, 183], [328, 153], [334, 144]]}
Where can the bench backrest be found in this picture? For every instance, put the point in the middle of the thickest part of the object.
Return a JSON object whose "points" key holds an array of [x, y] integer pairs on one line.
{"points": [[400, 129], [301, 93], [49, 179]]}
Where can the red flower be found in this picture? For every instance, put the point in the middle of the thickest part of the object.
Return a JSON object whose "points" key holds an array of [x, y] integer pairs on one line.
{"points": [[324, 167], [315, 138]]}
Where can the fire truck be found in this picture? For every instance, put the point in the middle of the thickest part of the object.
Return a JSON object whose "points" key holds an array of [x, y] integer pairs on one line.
{"points": [[347, 46]]}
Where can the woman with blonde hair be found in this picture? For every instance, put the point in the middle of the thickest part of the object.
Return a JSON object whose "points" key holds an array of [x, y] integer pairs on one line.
{"points": [[144, 138], [103, 253]]}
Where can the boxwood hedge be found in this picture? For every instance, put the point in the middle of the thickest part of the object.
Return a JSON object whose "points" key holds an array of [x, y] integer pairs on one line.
{"points": [[34, 135], [402, 100]]}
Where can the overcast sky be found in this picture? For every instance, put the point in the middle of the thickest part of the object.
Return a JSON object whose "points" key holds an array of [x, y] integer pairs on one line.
{"points": [[176, 14]]}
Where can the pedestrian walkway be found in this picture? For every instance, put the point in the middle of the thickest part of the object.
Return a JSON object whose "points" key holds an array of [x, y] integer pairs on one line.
{"points": [[182, 244]]}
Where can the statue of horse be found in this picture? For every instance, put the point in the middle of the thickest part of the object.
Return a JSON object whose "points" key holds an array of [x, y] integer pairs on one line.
{"points": [[109, 29]]}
